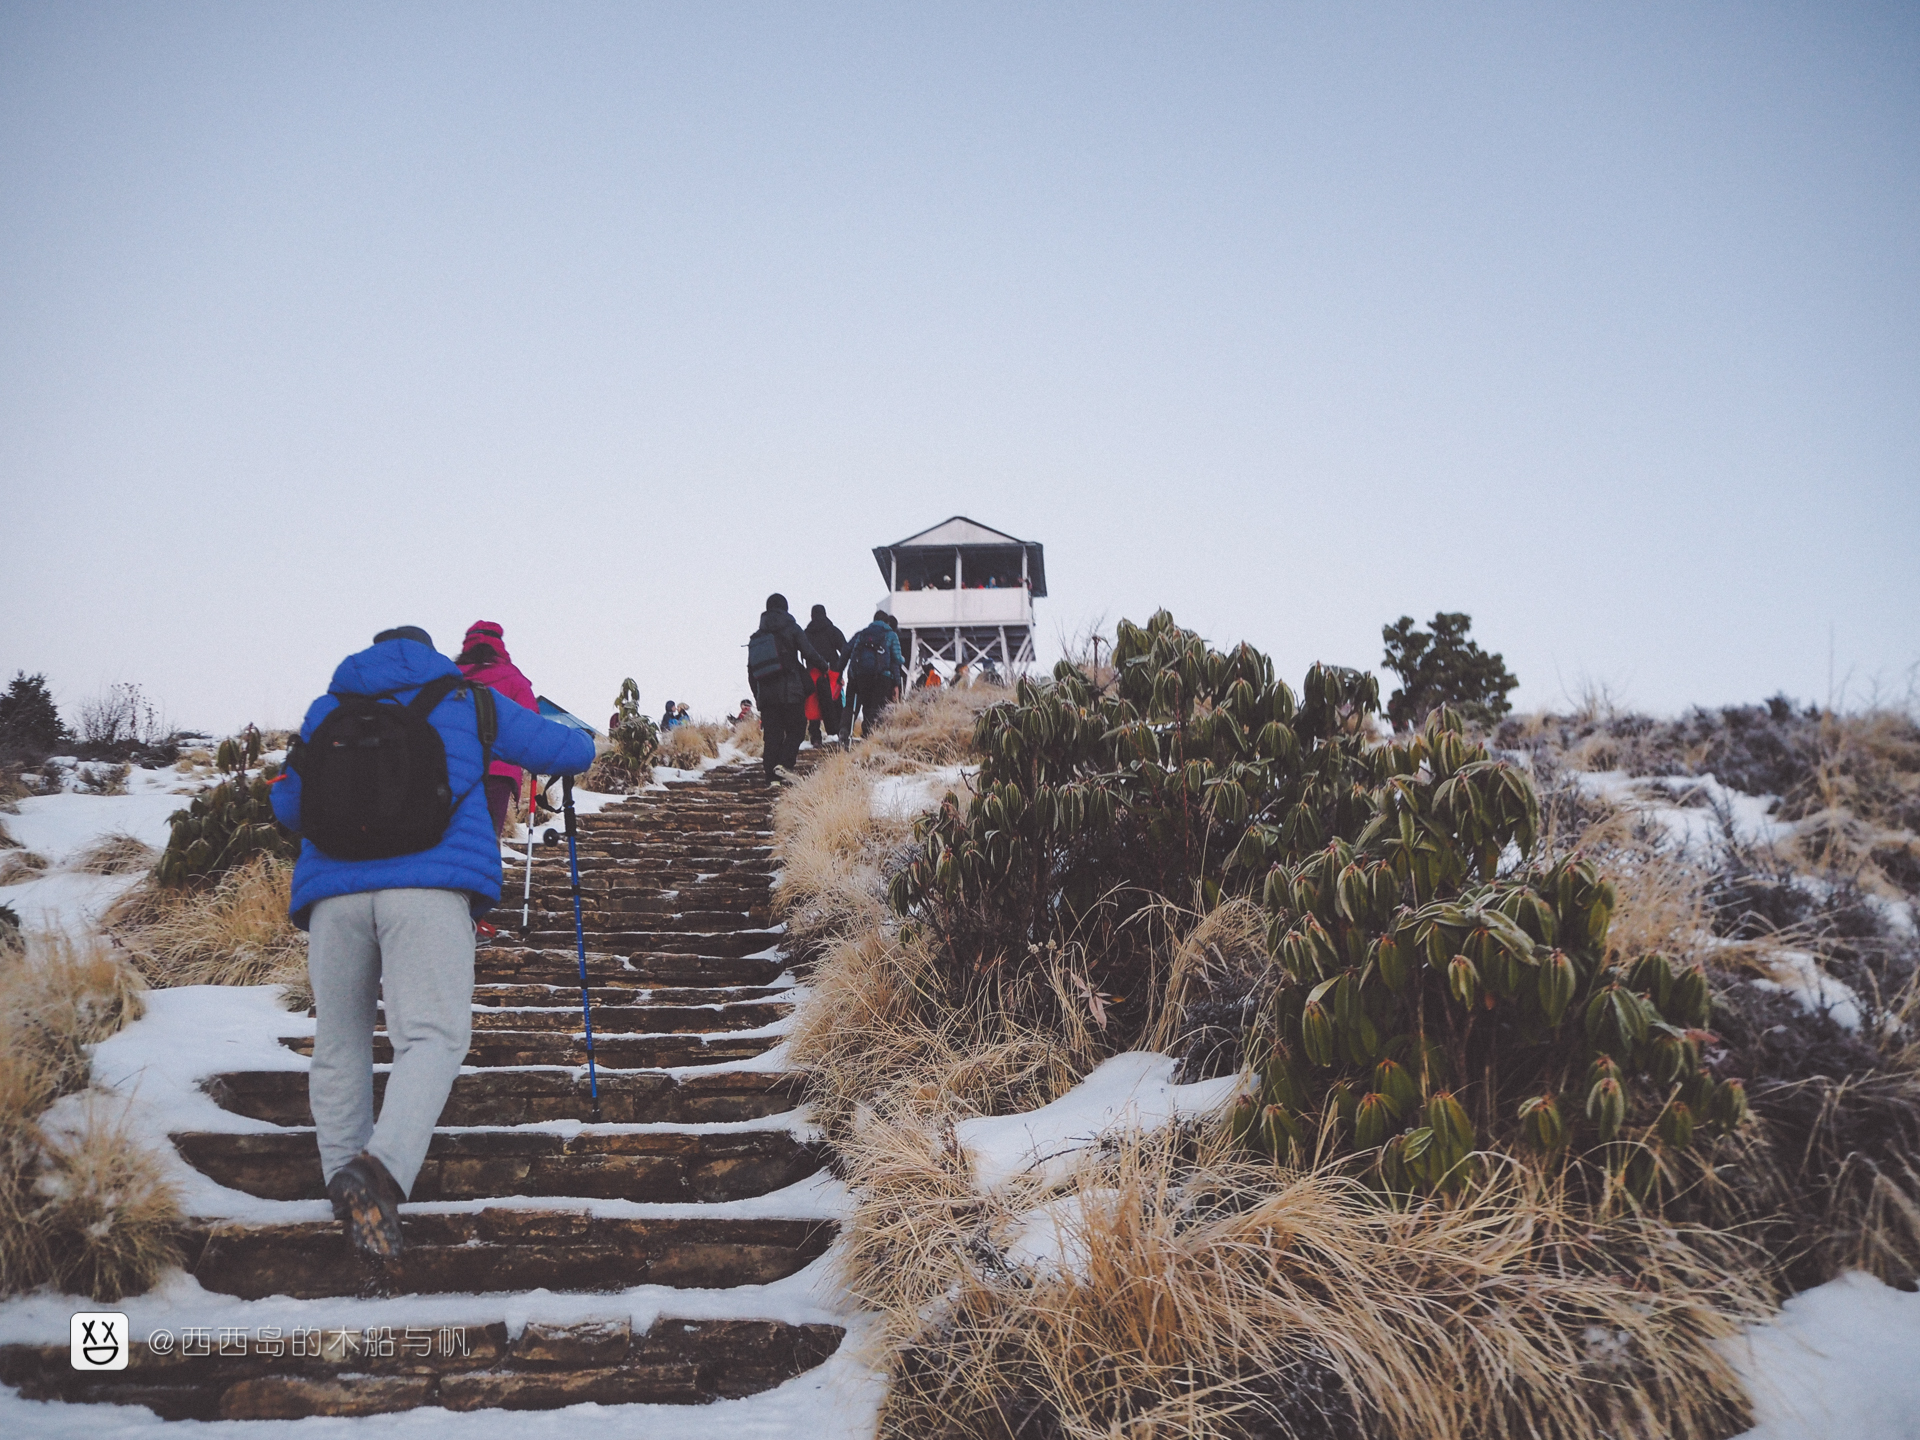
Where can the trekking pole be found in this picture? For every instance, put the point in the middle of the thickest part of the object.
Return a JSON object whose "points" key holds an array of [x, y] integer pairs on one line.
{"points": [[526, 890], [580, 939]]}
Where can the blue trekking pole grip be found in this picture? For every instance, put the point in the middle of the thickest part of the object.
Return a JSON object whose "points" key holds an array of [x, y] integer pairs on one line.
{"points": [[580, 936]]}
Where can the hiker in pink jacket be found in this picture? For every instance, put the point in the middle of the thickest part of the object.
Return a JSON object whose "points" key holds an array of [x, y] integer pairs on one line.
{"points": [[483, 657]]}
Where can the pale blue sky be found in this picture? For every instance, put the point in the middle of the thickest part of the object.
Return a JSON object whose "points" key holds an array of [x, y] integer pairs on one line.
{"points": [[1601, 323]]}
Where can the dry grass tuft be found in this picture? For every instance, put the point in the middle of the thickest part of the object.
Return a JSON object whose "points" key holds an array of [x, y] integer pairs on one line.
{"points": [[59, 995], [928, 728], [748, 738], [685, 746], [88, 1210], [1206, 1296], [100, 777], [115, 854], [1200, 1295], [21, 865], [112, 1217], [237, 933], [833, 854], [7, 842], [884, 1036]]}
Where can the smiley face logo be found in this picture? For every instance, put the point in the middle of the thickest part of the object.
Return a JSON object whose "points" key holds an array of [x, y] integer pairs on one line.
{"points": [[98, 1340]]}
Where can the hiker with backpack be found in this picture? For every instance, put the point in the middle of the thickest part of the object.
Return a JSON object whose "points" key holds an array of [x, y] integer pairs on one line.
{"points": [[483, 659], [397, 860], [779, 655], [823, 705], [875, 667]]}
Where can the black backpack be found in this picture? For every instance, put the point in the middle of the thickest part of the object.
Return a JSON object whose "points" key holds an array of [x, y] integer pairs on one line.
{"points": [[766, 661], [869, 660], [373, 778]]}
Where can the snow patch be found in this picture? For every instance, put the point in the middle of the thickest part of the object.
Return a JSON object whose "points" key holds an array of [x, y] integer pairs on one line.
{"points": [[1837, 1363], [1697, 812], [901, 797], [1134, 1091], [1798, 974]]}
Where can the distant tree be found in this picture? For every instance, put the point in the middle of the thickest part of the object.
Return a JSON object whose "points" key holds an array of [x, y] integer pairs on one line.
{"points": [[30, 722], [1442, 666]]}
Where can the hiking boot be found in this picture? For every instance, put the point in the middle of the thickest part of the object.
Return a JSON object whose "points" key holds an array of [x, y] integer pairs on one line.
{"points": [[366, 1199], [484, 933]]}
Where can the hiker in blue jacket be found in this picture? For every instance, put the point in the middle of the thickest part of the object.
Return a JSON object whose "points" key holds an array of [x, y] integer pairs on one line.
{"points": [[399, 931]]}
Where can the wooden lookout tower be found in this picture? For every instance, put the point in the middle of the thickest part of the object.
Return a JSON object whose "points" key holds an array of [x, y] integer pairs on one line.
{"points": [[963, 592]]}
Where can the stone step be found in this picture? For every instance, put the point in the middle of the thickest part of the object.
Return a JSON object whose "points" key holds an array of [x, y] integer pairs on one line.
{"points": [[554, 995], [344, 1372], [638, 880], [525, 1097], [504, 1250], [730, 865], [727, 944], [602, 918], [634, 1019], [652, 1166], [499, 964], [611, 1052]]}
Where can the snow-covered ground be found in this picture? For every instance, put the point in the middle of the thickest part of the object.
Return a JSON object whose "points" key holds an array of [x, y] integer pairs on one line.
{"points": [[904, 796], [59, 828], [1696, 812], [1134, 1091]]}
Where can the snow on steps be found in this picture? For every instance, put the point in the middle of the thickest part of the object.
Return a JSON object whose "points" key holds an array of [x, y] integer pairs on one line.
{"points": [[694, 1197]]}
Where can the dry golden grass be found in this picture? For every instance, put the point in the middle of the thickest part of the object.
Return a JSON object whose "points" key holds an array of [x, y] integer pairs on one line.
{"points": [[111, 1218], [685, 746], [59, 995], [90, 1209], [748, 738], [19, 865], [833, 851], [237, 933], [1205, 1296], [115, 854], [928, 728], [883, 1035]]}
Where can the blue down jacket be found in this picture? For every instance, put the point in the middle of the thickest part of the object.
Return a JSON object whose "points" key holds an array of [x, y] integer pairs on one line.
{"points": [[468, 855]]}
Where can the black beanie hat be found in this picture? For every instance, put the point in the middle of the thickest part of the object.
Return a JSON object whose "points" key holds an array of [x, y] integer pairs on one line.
{"points": [[404, 632], [819, 612], [776, 601]]}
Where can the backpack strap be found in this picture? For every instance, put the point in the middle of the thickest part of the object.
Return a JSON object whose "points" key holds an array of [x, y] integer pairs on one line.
{"points": [[486, 718], [487, 721], [432, 693]]}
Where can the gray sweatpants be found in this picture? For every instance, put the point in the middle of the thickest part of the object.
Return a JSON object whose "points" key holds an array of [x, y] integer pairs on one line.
{"points": [[417, 947]]}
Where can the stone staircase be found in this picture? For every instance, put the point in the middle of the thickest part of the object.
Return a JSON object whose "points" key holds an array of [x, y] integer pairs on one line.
{"points": [[685, 978]]}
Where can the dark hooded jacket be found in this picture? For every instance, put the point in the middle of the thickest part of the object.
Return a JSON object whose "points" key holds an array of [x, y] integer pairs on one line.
{"points": [[796, 656], [827, 638]]}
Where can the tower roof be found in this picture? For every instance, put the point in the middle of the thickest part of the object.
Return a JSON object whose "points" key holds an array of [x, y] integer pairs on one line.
{"points": [[957, 532]]}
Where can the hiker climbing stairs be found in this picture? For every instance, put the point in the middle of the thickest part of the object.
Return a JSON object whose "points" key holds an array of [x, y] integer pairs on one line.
{"points": [[687, 983]]}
